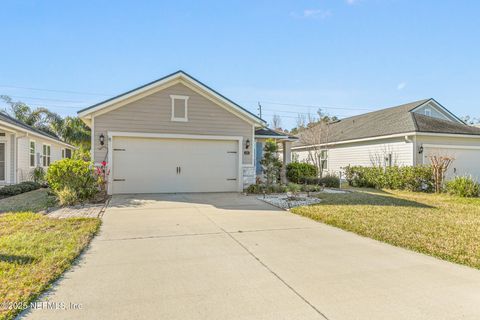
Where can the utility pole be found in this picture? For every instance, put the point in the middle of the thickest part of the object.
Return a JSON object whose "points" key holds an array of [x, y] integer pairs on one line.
{"points": [[260, 110]]}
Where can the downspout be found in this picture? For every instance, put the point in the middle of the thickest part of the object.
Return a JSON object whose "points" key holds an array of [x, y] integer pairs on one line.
{"points": [[414, 148]]}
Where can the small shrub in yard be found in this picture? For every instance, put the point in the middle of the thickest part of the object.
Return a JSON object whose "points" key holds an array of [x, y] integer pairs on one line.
{"points": [[411, 178], [38, 175], [296, 171], [311, 188], [67, 196], [329, 181], [77, 176], [15, 189], [264, 188], [294, 188], [463, 187]]}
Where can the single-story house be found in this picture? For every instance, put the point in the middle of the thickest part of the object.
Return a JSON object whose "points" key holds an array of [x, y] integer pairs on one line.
{"points": [[405, 135], [176, 134], [22, 148]]}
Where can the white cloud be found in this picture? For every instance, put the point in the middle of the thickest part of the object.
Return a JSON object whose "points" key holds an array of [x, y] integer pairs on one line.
{"points": [[401, 85], [351, 2], [312, 14]]}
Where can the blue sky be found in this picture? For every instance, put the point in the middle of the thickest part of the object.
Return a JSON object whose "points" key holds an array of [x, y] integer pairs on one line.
{"points": [[345, 56]]}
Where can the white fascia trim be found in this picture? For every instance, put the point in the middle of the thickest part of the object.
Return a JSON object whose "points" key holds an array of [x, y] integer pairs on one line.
{"points": [[357, 140], [174, 97], [156, 85], [450, 135], [113, 134], [449, 146]]}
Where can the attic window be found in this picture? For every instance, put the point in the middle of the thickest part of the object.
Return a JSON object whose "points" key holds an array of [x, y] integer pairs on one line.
{"points": [[428, 112], [179, 108]]}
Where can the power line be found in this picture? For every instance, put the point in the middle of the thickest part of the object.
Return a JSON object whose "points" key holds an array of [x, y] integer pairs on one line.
{"points": [[48, 99], [54, 90], [314, 106]]}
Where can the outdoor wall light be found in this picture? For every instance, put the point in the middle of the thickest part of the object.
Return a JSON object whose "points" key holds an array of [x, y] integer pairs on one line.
{"points": [[247, 144], [420, 150], [102, 139]]}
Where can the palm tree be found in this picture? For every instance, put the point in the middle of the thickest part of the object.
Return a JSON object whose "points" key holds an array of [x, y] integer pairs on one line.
{"points": [[70, 129]]}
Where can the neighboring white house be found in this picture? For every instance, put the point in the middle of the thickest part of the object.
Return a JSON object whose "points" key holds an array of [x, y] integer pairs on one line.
{"points": [[176, 134], [22, 148], [404, 135]]}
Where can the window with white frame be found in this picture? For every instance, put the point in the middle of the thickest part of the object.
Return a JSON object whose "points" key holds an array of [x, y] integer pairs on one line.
{"points": [[428, 112], [179, 108], [32, 154], [46, 155], [324, 160]]}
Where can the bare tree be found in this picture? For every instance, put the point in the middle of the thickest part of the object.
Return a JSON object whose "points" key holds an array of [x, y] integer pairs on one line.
{"points": [[440, 165], [276, 121], [315, 138], [384, 157]]}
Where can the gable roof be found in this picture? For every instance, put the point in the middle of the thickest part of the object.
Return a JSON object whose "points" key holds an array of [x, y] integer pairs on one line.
{"points": [[394, 120], [17, 124], [173, 76]]}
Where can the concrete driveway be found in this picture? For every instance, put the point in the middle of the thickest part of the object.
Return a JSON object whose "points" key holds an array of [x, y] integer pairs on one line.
{"points": [[227, 256]]}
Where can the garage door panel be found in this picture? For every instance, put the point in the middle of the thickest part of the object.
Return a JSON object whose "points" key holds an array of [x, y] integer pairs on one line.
{"points": [[142, 165], [466, 161]]}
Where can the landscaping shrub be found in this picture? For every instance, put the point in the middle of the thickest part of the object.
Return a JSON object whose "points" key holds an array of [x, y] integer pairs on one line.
{"points": [[412, 178], [311, 188], [75, 175], [296, 171], [463, 187], [264, 188], [14, 189], [328, 181], [67, 196], [293, 187], [38, 175]]}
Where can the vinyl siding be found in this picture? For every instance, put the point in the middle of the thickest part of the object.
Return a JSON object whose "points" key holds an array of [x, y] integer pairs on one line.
{"points": [[361, 153], [24, 169], [152, 114]]}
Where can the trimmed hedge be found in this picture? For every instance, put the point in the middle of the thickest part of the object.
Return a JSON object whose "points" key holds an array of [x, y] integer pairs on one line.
{"points": [[299, 170], [328, 181], [15, 189], [463, 187], [412, 178]]}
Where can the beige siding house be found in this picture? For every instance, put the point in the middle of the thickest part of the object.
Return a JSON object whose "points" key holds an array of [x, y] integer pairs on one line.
{"points": [[405, 135], [174, 135], [22, 148]]}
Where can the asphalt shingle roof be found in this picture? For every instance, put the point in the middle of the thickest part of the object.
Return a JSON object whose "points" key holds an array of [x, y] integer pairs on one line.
{"points": [[394, 120]]}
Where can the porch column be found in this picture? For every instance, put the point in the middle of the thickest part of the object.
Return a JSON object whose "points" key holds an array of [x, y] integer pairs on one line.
{"points": [[287, 158]]}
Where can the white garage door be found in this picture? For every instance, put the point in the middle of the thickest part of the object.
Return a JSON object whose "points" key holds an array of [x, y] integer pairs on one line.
{"points": [[467, 161], [144, 165]]}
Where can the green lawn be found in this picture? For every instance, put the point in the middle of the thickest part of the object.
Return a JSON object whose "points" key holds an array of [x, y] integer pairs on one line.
{"points": [[34, 251], [36, 200], [439, 225]]}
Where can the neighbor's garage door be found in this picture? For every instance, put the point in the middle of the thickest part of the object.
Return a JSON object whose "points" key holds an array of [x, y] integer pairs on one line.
{"points": [[144, 165], [467, 161]]}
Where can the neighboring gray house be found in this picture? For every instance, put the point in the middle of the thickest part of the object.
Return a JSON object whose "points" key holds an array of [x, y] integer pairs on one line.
{"points": [[402, 135], [175, 134], [22, 148]]}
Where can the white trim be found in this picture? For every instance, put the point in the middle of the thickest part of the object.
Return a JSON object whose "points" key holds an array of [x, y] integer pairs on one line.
{"points": [[447, 146], [34, 153], [113, 134], [451, 135], [157, 86], [49, 147], [174, 97]]}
